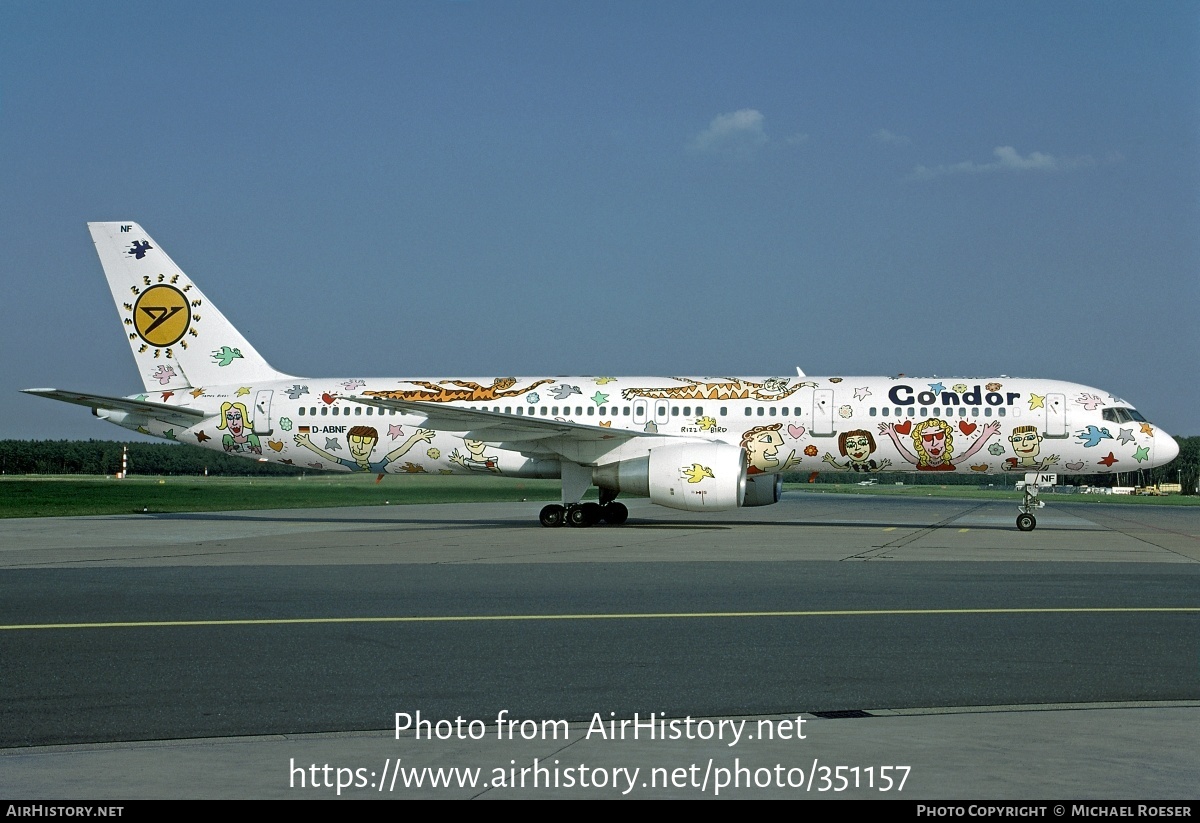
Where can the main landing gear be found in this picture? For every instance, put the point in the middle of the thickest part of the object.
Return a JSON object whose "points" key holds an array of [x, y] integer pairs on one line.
{"points": [[1030, 503], [584, 514]]}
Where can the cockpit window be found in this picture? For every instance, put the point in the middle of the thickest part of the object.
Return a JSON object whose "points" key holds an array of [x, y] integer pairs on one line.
{"points": [[1120, 414]]}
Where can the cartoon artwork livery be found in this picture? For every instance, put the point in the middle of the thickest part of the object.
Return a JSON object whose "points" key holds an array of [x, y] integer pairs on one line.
{"points": [[689, 443]]}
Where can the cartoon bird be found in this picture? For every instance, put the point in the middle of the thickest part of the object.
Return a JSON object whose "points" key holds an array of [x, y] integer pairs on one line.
{"points": [[225, 355], [295, 391], [697, 472], [563, 391], [1091, 436], [706, 423], [163, 374]]}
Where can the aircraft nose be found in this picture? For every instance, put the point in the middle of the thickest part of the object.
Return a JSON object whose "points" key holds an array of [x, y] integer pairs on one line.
{"points": [[1165, 448]]}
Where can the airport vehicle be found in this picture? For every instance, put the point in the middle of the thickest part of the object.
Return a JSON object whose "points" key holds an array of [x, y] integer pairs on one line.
{"points": [[690, 443]]}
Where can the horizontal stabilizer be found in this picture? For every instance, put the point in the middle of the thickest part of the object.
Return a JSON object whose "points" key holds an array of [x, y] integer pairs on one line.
{"points": [[182, 415]]}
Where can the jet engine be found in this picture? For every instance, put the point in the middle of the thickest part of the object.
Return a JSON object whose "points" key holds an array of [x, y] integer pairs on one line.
{"points": [[763, 489], [688, 476]]}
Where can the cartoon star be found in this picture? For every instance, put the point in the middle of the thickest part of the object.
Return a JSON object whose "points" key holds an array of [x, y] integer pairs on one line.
{"points": [[167, 395], [1146, 429], [141, 398], [600, 381], [201, 436], [1142, 453], [1037, 401], [599, 399], [937, 388], [197, 392], [1126, 436], [169, 434], [243, 391], [862, 394], [1108, 461], [395, 431]]}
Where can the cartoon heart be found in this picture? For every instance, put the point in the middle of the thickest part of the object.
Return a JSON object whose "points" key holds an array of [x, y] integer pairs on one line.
{"points": [[1075, 466], [328, 398], [966, 428], [980, 468], [796, 431], [276, 445], [904, 428]]}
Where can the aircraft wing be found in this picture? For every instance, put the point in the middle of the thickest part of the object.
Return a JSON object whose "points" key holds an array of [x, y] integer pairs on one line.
{"points": [[497, 428], [181, 415]]}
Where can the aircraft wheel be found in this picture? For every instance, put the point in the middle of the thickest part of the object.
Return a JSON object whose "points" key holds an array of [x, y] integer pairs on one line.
{"points": [[553, 515], [577, 516], [592, 512], [615, 513], [1026, 522]]}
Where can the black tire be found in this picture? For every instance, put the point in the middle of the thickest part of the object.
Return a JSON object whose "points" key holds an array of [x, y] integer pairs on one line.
{"points": [[615, 513], [576, 516], [592, 512], [553, 515], [1026, 522]]}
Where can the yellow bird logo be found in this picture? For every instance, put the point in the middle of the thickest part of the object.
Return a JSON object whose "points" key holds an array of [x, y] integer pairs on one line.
{"points": [[695, 473], [706, 423]]}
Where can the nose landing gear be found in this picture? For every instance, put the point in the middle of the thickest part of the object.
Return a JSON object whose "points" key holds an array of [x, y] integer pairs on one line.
{"points": [[1030, 503]]}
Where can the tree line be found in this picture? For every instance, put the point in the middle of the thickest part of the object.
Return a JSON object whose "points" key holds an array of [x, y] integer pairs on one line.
{"points": [[104, 457]]}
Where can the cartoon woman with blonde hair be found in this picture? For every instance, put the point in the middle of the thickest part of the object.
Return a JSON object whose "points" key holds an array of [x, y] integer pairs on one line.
{"points": [[933, 442], [234, 420]]}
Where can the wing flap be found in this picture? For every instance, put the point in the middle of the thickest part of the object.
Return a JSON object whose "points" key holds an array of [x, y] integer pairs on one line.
{"points": [[496, 427]]}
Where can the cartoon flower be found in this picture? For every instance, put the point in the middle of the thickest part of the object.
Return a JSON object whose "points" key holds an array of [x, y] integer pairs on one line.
{"points": [[810, 450], [433, 454], [996, 449], [845, 411], [959, 388], [993, 387]]}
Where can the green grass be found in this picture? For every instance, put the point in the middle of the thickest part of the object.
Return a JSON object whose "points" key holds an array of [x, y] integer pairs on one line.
{"points": [[72, 495], [975, 493]]}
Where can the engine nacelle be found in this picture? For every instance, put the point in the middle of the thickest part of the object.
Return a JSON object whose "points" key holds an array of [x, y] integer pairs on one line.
{"points": [[689, 476], [763, 489]]}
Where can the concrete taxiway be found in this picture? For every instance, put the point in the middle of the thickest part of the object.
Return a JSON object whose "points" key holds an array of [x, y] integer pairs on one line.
{"points": [[928, 634]]}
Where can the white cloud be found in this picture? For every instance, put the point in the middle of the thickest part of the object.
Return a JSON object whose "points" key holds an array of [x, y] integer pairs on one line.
{"points": [[1007, 159], [885, 136], [739, 133]]}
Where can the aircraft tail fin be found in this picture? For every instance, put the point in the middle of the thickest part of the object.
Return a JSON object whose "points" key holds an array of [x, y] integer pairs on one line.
{"points": [[179, 339]]}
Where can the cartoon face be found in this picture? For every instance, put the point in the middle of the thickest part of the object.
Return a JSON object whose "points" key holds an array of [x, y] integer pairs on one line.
{"points": [[1026, 442], [932, 442], [775, 385], [857, 445], [361, 446], [234, 421], [475, 447], [762, 446]]}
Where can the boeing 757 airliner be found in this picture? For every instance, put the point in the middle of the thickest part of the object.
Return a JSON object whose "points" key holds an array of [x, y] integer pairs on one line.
{"points": [[690, 443]]}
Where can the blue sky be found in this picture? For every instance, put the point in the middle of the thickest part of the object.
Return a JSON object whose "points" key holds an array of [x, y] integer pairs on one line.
{"points": [[492, 188]]}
